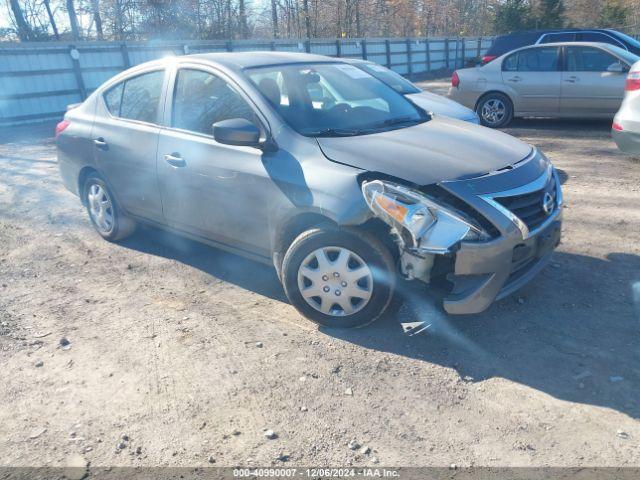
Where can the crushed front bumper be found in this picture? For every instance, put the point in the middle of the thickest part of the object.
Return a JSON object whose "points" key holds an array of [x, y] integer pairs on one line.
{"points": [[485, 272]]}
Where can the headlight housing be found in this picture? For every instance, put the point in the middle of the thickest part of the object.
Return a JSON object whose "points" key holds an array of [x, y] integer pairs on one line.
{"points": [[424, 225]]}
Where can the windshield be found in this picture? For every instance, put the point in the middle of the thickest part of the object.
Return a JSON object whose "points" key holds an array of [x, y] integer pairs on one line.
{"points": [[333, 99], [627, 38], [391, 78]]}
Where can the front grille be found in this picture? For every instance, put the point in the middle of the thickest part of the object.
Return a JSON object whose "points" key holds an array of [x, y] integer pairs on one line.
{"points": [[528, 207]]}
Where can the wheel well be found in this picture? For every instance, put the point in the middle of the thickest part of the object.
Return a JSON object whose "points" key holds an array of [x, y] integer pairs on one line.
{"points": [[82, 177], [295, 226], [489, 93]]}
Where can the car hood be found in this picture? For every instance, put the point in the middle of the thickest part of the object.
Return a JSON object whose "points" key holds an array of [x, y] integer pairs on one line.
{"points": [[437, 150], [441, 105]]}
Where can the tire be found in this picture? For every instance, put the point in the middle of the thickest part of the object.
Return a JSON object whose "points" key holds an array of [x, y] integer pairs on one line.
{"points": [[113, 225], [355, 262], [495, 110]]}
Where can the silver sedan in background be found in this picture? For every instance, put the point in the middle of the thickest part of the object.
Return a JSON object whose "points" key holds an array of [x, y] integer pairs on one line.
{"points": [[626, 124], [426, 100], [577, 79]]}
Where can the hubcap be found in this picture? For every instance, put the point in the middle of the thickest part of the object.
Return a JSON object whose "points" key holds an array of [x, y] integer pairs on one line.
{"points": [[335, 281], [100, 208], [493, 111]]}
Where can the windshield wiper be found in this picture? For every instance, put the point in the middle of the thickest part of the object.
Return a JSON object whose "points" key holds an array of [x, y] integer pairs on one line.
{"points": [[334, 132], [400, 120]]}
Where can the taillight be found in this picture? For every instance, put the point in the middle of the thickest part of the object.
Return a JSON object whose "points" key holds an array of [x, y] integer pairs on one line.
{"points": [[633, 81], [488, 58], [60, 127], [455, 80], [617, 126]]}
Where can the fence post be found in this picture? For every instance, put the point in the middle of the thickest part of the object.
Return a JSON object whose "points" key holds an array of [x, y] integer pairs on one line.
{"points": [[307, 46], [229, 46], [272, 45], [464, 55], [74, 53], [479, 47], [338, 48], [409, 60], [446, 52], [364, 48], [125, 55], [387, 50], [428, 52]]}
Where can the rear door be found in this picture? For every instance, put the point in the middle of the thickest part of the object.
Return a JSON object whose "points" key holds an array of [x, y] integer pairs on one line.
{"points": [[125, 141], [590, 83], [533, 76]]}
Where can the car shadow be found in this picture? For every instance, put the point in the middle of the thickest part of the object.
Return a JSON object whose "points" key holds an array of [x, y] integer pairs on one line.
{"points": [[571, 333]]}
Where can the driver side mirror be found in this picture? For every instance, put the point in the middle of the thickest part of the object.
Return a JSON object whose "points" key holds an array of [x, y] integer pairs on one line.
{"points": [[616, 68], [236, 131]]}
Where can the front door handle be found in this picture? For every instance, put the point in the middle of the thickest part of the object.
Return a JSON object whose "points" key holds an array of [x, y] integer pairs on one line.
{"points": [[572, 79], [515, 79], [175, 160], [101, 144]]}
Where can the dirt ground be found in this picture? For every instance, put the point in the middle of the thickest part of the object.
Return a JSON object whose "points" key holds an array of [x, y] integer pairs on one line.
{"points": [[191, 353]]}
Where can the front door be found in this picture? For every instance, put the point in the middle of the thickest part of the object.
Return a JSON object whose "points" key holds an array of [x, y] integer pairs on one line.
{"points": [[592, 82], [210, 189], [533, 76], [125, 142]]}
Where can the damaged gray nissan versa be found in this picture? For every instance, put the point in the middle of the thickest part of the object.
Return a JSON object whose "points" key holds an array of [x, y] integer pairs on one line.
{"points": [[318, 168]]}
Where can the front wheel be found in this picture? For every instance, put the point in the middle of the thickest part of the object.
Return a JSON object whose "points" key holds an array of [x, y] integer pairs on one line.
{"points": [[339, 277], [495, 110]]}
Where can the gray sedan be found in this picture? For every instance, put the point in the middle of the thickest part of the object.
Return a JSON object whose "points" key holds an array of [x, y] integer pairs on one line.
{"points": [[578, 79], [428, 101]]}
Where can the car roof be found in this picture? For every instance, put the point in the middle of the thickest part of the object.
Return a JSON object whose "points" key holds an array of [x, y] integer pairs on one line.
{"points": [[242, 60], [556, 30], [606, 46]]}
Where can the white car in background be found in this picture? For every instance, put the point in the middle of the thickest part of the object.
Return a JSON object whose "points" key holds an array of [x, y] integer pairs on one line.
{"points": [[626, 124], [426, 100]]}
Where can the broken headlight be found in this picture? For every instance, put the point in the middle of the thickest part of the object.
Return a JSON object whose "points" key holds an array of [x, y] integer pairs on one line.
{"points": [[422, 223]]}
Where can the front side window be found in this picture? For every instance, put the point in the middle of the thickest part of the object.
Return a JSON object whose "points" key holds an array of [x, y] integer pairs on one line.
{"points": [[600, 37], [333, 99], [532, 60], [589, 59], [558, 37], [137, 98], [202, 99]]}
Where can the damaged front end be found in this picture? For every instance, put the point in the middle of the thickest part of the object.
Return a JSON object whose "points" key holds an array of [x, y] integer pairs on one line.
{"points": [[423, 226]]}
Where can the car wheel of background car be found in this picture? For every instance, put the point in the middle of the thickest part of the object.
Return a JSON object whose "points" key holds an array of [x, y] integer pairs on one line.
{"points": [[495, 110], [339, 277], [104, 212]]}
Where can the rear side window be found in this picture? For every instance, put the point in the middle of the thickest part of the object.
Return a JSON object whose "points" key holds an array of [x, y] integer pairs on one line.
{"points": [[202, 99], [558, 37], [589, 59], [532, 60], [137, 98]]}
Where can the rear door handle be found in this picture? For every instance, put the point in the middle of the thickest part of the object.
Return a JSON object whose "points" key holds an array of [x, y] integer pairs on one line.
{"points": [[101, 144], [572, 79], [175, 160], [515, 79]]}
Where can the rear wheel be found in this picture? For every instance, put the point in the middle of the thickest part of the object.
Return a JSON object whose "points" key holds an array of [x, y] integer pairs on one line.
{"points": [[495, 110], [339, 277], [103, 210]]}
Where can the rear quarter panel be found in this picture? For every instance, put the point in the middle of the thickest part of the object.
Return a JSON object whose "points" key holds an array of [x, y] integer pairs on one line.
{"points": [[75, 145]]}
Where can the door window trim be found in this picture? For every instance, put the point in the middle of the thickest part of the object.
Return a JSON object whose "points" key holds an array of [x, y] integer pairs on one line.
{"points": [[121, 81], [565, 56], [167, 119]]}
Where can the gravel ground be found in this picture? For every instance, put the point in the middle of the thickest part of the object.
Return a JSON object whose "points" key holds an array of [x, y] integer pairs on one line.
{"points": [[191, 353]]}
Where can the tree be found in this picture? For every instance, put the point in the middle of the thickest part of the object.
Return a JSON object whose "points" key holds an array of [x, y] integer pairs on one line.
{"points": [[512, 15], [95, 7], [23, 29], [73, 20], [614, 14], [550, 14]]}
